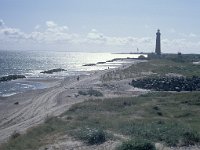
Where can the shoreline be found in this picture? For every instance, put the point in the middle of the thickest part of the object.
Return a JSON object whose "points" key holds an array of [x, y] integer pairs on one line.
{"points": [[30, 84], [13, 87], [24, 110]]}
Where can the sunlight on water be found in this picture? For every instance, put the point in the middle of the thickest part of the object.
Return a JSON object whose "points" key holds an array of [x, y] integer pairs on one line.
{"points": [[31, 64]]}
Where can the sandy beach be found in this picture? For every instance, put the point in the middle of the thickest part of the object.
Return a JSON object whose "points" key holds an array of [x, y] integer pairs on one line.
{"points": [[22, 111]]}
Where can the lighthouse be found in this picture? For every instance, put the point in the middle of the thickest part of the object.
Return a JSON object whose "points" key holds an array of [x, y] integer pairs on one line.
{"points": [[158, 45]]}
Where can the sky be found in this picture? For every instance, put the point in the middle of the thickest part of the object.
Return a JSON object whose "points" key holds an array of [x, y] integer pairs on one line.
{"points": [[100, 25]]}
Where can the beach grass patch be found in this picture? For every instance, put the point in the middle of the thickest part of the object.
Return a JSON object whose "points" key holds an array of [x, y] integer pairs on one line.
{"points": [[91, 135], [152, 116], [136, 144], [135, 117], [34, 137], [190, 138], [169, 132], [154, 67], [91, 92]]}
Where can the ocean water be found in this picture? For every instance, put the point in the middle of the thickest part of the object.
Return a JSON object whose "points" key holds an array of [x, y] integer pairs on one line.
{"points": [[31, 63]]}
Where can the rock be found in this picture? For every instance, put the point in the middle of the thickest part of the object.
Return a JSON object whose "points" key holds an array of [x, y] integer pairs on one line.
{"points": [[101, 62], [167, 83], [142, 57], [76, 95], [16, 103], [89, 65], [11, 77], [53, 70]]}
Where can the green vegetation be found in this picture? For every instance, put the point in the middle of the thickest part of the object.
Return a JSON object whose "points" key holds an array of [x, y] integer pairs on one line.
{"points": [[91, 135], [136, 117], [35, 137], [182, 57], [136, 145], [190, 138], [159, 117], [90, 92], [154, 67]]}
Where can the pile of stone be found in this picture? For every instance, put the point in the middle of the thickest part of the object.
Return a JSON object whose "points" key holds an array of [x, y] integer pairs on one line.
{"points": [[169, 83]]}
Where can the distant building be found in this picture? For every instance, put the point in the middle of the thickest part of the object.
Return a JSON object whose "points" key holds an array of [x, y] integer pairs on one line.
{"points": [[158, 44]]}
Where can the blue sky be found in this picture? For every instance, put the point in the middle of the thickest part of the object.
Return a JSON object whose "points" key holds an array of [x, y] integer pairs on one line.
{"points": [[100, 25]]}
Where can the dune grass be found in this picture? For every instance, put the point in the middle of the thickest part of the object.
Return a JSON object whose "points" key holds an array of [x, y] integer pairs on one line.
{"points": [[90, 92], [152, 67], [139, 144], [165, 117], [36, 136], [170, 118]]}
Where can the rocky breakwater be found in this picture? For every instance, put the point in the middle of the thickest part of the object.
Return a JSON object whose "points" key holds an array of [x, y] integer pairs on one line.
{"points": [[89, 65], [53, 70], [168, 83], [11, 77]]}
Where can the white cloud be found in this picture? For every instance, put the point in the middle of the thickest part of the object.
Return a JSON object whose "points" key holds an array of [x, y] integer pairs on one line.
{"points": [[192, 35], [37, 27], [147, 26], [95, 37], [54, 34], [51, 24], [2, 24], [99, 38], [183, 45], [172, 30], [7, 33], [13, 33]]}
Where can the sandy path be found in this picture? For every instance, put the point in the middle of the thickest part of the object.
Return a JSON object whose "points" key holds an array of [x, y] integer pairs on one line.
{"points": [[35, 106]]}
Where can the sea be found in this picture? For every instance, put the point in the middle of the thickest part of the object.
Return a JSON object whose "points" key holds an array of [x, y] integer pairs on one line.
{"points": [[32, 63]]}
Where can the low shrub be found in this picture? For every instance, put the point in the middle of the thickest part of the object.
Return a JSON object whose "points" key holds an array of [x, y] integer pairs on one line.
{"points": [[15, 135], [82, 93], [137, 145], [92, 135], [190, 138], [90, 92], [168, 132], [93, 92]]}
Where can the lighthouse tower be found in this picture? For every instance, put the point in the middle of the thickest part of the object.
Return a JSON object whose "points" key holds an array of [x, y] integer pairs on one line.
{"points": [[158, 45]]}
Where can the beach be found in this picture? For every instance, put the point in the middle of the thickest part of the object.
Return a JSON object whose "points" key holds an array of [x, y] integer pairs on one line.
{"points": [[105, 103], [25, 110]]}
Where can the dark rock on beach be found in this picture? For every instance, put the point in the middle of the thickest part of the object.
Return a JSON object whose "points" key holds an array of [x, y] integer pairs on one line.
{"points": [[53, 70], [16, 103], [11, 77], [89, 65], [101, 62]]}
